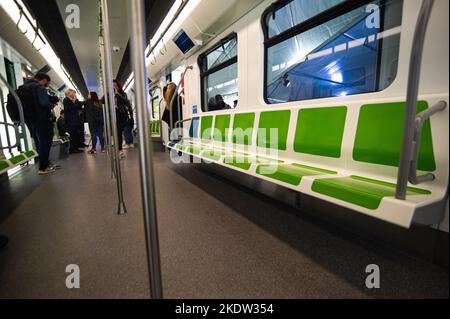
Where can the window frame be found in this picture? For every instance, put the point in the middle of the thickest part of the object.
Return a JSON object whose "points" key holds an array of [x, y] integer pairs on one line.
{"points": [[321, 18], [204, 73]]}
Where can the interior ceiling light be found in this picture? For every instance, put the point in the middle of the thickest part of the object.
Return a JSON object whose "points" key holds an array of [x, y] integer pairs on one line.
{"points": [[167, 30], [16, 10]]}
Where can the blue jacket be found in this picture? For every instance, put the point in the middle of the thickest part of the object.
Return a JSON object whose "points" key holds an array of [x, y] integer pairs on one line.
{"points": [[41, 98]]}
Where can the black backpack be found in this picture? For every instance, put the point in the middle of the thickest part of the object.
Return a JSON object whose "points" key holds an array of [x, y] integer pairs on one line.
{"points": [[26, 96]]}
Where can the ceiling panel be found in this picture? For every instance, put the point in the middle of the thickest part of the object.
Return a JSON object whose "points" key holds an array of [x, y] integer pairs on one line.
{"points": [[85, 39]]}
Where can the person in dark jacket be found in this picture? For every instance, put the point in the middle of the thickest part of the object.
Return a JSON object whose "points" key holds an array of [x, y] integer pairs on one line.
{"points": [[72, 110], [94, 116], [43, 127], [128, 131], [122, 112]]}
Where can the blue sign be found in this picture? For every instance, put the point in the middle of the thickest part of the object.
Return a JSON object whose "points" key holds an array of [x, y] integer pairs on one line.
{"points": [[195, 109]]}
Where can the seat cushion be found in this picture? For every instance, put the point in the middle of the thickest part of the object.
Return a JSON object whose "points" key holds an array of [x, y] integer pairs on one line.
{"points": [[3, 165], [291, 174], [360, 191], [245, 161], [17, 159]]}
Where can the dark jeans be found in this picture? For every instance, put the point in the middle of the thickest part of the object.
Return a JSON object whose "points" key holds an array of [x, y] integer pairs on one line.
{"points": [[97, 131], [120, 129], [81, 134], [74, 137], [32, 129], [44, 134], [129, 137]]}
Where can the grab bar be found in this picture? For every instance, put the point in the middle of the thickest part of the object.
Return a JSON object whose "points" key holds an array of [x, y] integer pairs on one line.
{"points": [[412, 98], [420, 121]]}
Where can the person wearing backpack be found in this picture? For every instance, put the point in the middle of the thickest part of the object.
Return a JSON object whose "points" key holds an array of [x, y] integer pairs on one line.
{"points": [[42, 123], [27, 99], [122, 113]]}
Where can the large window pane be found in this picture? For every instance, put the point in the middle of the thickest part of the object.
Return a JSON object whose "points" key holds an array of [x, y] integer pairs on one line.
{"points": [[350, 54], [296, 12], [223, 85], [222, 54], [219, 76]]}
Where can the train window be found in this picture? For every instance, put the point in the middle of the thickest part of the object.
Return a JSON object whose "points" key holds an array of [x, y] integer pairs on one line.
{"points": [[219, 76], [323, 49]]}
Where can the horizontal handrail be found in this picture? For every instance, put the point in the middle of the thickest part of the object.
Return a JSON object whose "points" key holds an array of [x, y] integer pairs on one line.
{"points": [[420, 121]]}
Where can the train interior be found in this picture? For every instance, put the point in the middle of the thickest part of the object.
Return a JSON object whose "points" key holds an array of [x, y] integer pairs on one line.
{"points": [[279, 149]]}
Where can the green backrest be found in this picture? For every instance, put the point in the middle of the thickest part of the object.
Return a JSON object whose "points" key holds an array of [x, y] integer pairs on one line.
{"points": [[278, 121], [206, 127], [320, 131], [243, 128], [221, 128], [380, 134]]}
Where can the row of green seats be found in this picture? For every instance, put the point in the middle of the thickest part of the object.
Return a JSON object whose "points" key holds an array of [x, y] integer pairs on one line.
{"points": [[7, 164], [320, 132]]}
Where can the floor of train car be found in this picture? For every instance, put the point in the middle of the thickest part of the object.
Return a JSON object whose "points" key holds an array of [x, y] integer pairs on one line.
{"points": [[218, 240]]}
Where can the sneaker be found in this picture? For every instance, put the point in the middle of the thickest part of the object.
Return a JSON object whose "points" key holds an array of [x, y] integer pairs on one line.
{"points": [[122, 154], [126, 146], [3, 241], [47, 171], [103, 150], [131, 145], [55, 166], [92, 152]]}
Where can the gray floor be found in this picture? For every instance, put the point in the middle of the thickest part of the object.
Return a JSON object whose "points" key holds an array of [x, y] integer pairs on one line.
{"points": [[218, 240]]}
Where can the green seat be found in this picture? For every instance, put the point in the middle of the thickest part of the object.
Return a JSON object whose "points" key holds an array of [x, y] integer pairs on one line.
{"points": [[194, 150], [243, 126], [221, 128], [360, 191], [273, 129], [30, 154], [320, 131], [380, 134], [213, 154], [3, 165], [206, 128], [17, 159], [290, 174], [245, 161]]}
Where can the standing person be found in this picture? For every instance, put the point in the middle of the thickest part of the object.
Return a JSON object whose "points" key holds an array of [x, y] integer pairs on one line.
{"points": [[44, 124], [128, 131], [72, 108], [94, 117], [122, 113]]}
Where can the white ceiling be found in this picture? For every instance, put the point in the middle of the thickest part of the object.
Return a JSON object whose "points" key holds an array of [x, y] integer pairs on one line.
{"points": [[85, 39]]}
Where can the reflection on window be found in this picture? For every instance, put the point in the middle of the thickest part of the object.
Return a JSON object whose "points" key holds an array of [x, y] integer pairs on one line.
{"points": [[220, 76], [353, 53], [296, 12]]}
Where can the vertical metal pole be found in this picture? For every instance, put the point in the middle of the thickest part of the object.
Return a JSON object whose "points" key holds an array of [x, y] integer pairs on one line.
{"points": [[108, 133], [137, 21], [112, 103], [406, 156]]}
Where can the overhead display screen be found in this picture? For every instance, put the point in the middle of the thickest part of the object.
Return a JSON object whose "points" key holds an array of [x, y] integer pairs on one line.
{"points": [[183, 41]]}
